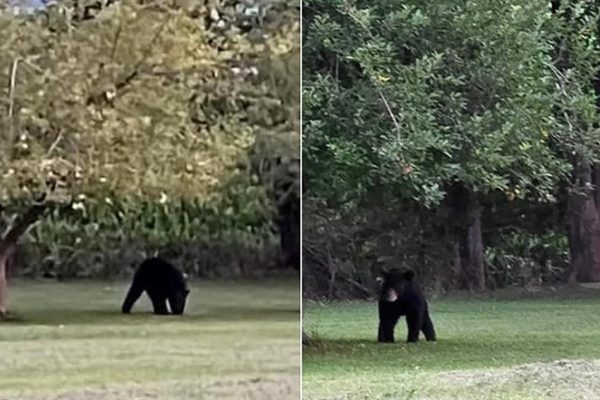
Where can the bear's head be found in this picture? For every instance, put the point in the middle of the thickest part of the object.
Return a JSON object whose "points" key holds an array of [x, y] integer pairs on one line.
{"points": [[394, 283], [179, 298], [177, 301]]}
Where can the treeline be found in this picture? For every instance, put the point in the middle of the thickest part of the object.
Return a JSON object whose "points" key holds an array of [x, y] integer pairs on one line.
{"points": [[457, 138]]}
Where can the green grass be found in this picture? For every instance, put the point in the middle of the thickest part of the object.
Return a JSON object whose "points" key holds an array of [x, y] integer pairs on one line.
{"points": [[486, 349], [69, 341]]}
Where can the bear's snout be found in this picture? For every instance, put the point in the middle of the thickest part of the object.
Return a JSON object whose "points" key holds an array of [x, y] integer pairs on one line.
{"points": [[391, 295]]}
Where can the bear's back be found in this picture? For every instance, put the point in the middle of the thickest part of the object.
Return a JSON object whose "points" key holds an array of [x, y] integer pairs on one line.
{"points": [[156, 272]]}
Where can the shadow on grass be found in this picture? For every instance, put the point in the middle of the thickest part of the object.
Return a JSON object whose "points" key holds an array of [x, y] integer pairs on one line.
{"points": [[451, 353], [106, 317], [340, 345], [530, 342]]}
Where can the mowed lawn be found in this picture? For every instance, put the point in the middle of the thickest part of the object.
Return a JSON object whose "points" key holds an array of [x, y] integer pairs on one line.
{"points": [[69, 341], [486, 349]]}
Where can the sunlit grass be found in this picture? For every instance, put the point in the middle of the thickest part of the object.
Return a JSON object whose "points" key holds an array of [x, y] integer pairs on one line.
{"points": [[479, 342], [67, 337]]}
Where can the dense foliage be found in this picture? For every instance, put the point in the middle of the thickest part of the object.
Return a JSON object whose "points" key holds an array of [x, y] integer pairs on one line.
{"points": [[431, 129]]}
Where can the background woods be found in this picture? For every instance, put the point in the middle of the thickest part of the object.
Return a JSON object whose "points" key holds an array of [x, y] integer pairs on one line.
{"points": [[169, 128], [460, 139]]}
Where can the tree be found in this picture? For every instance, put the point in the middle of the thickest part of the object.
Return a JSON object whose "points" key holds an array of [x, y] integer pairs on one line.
{"points": [[441, 103], [8, 243], [575, 67]]}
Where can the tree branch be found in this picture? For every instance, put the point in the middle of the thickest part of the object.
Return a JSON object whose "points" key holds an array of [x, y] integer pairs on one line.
{"points": [[21, 225], [11, 99], [394, 120], [116, 41], [127, 79], [11, 89], [390, 113]]}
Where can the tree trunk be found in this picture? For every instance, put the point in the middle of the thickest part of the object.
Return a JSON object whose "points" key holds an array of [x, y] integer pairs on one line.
{"points": [[288, 222], [8, 245], [3, 282], [466, 221], [7, 251], [584, 224]]}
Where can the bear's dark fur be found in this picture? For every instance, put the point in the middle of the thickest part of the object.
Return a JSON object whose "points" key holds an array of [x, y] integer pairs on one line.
{"points": [[402, 295], [162, 282]]}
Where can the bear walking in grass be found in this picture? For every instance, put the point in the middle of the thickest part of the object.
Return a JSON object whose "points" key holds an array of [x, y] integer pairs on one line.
{"points": [[162, 282], [402, 295]]}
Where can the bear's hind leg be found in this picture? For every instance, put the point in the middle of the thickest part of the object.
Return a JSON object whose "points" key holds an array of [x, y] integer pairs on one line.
{"points": [[428, 329], [134, 293]]}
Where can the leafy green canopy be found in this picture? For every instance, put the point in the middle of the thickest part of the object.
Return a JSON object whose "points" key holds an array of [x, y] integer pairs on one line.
{"points": [[143, 102], [576, 31], [415, 95]]}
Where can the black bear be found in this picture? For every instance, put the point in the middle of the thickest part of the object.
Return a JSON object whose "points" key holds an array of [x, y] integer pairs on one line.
{"points": [[162, 282], [401, 295]]}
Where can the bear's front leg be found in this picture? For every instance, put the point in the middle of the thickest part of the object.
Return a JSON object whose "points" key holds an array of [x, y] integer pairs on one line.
{"points": [[388, 318], [414, 322], [386, 332]]}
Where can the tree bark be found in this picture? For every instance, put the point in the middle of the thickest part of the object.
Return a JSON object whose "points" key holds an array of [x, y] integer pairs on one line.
{"points": [[288, 222], [3, 283], [466, 222], [8, 245], [286, 185], [584, 224]]}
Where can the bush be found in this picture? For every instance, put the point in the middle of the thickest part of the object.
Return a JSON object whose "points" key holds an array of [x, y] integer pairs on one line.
{"points": [[523, 259]]}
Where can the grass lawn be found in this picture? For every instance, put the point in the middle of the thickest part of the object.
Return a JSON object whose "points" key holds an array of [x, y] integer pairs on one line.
{"points": [[69, 341], [487, 349]]}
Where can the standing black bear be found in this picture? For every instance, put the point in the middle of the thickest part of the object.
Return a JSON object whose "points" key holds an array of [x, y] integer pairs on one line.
{"points": [[162, 282], [401, 295]]}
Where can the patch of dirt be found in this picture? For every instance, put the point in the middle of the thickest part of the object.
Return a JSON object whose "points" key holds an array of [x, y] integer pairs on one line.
{"points": [[561, 379], [276, 388]]}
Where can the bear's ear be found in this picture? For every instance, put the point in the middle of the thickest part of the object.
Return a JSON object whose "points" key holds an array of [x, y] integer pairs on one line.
{"points": [[409, 275]]}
